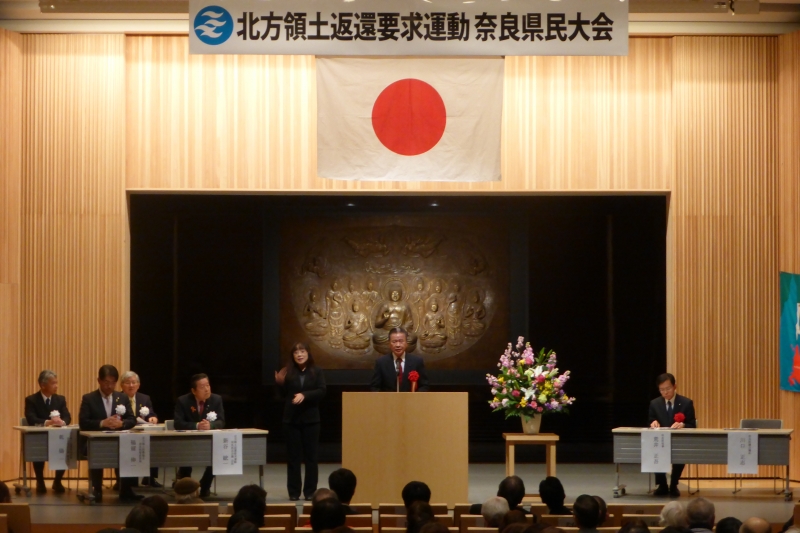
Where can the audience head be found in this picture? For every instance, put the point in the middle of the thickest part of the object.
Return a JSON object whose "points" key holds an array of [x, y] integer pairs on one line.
{"points": [[551, 491], [343, 529], [186, 490], [143, 519], [434, 527], [244, 526], [419, 514], [586, 511], [416, 491], [254, 499], [327, 513], [159, 505], [343, 483], [239, 517], [676, 529], [515, 527], [752, 525], [514, 516], [5, 494], [493, 510], [673, 514], [603, 515], [637, 526], [322, 494], [512, 489], [730, 524], [700, 513]]}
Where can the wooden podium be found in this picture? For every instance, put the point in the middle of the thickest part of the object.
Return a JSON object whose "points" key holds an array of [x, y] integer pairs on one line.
{"points": [[391, 438]]}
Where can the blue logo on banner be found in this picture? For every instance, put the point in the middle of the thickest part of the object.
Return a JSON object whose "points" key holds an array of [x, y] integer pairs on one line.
{"points": [[213, 25]]}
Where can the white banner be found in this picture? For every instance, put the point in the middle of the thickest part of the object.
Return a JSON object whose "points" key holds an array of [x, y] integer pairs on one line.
{"points": [[134, 455], [409, 27], [743, 452], [62, 448], [227, 453], [656, 450]]}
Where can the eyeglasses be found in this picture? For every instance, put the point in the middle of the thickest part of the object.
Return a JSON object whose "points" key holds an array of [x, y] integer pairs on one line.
{"points": [[667, 389]]}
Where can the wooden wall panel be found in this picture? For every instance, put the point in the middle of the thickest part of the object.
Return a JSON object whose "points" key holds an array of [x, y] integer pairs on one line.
{"points": [[74, 309], [723, 227], [249, 122], [10, 229], [789, 197]]}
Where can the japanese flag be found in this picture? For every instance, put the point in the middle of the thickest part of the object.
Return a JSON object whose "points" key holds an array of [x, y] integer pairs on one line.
{"points": [[409, 119]]}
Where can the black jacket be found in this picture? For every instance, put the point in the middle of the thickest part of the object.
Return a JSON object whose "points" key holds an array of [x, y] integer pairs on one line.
{"points": [[187, 415], [93, 411], [680, 404], [143, 400], [36, 412], [313, 388], [384, 377]]}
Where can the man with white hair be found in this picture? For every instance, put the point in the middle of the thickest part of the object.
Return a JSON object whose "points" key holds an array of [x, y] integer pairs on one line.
{"points": [[701, 515], [493, 510], [46, 408], [143, 411], [673, 515]]}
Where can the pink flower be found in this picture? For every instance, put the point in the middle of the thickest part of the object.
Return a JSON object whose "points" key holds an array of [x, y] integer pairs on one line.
{"points": [[540, 378], [515, 394], [539, 409]]}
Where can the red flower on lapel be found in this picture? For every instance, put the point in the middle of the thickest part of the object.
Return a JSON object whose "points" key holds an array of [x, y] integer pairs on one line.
{"points": [[194, 409]]}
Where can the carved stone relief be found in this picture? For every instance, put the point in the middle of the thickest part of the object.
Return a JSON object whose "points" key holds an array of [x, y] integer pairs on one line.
{"points": [[349, 284]]}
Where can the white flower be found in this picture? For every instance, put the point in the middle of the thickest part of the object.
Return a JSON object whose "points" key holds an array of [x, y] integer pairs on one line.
{"points": [[54, 414], [494, 392], [144, 411], [121, 410], [211, 416]]}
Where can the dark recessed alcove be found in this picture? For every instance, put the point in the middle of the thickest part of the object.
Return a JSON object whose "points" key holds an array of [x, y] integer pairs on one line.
{"points": [[587, 278]]}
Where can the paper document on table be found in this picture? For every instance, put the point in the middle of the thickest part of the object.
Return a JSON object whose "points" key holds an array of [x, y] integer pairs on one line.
{"points": [[62, 448], [227, 453], [134, 455], [656, 451], [742, 452]]}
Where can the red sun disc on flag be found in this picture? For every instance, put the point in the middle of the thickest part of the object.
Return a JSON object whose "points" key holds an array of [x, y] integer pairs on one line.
{"points": [[409, 117]]}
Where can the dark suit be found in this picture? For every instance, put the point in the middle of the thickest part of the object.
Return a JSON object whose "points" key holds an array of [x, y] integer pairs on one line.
{"points": [[301, 423], [187, 416], [658, 411], [143, 400], [37, 413], [384, 377], [90, 418]]}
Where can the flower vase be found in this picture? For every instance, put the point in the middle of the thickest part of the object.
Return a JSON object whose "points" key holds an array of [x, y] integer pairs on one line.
{"points": [[530, 425]]}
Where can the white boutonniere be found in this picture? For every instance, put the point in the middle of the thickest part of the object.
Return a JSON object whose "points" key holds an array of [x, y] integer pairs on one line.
{"points": [[120, 410], [211, 416], [54, 414], [144, 411]]}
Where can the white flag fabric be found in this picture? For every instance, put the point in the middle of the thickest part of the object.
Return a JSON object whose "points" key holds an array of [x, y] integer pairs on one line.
{"points": [[413, 119]]}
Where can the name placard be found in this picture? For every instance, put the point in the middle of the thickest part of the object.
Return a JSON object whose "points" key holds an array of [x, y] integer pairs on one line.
{"points": [[62, 448], [134, 455], [227, 453], [656, 451], [742, 452], [409, 27]]}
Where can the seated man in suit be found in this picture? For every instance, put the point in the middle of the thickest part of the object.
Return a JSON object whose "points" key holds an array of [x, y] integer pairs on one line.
{"points": [[662, 413], [191, 412], [102, 410], [130, 386], [391, 370], [38, 407]]}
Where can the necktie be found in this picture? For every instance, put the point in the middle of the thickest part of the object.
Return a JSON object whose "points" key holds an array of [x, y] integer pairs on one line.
{"points": [[133, 406], [669, 411], [399, 365], [201, 406], [47, 402]]}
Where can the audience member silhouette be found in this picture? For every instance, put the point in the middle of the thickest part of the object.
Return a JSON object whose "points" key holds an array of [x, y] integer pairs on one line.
{"points": [[252, 498], [327, 513], [143, 519], [551, 491], [343, 483], [416, 491], [586, 511]]}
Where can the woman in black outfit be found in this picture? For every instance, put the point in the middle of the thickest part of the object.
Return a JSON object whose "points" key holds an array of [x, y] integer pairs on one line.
{"points": [[303, 386]]}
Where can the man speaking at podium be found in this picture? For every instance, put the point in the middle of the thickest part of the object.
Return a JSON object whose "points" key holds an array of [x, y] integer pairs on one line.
{"points": [[392, 370], [674, 411]]}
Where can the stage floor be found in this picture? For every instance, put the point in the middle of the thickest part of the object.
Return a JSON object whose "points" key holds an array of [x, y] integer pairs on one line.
{"points": [[757, 498]]}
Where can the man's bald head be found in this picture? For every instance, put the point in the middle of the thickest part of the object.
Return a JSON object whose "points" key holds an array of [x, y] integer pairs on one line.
{"points": [[755, 525]]}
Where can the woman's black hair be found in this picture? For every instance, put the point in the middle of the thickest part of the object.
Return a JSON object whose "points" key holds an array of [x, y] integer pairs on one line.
{"points": [[291, 367]]}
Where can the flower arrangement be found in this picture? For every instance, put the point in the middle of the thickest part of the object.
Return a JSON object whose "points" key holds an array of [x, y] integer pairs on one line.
{"points": [[528, 384]]}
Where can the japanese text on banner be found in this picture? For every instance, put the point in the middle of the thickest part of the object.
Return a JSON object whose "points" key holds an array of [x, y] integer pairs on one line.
{"points": [[742, 452], [134, 455]]}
